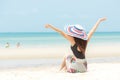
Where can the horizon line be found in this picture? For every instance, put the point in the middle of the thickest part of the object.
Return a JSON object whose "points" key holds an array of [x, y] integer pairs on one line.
{"points": [[51, 32]]}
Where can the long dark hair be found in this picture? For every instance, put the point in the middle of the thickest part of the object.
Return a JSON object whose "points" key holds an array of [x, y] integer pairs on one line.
{"points": [[82, 44]]}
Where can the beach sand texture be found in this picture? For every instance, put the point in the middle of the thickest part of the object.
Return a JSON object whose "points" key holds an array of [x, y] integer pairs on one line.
{"points": [[96, 71], [57, 52]]}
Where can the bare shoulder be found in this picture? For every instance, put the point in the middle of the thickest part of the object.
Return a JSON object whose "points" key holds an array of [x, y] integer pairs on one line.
{"points": [[70, 39]]}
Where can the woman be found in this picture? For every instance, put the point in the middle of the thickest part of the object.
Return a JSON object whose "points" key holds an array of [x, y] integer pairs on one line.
{"points": [[78, 39]]}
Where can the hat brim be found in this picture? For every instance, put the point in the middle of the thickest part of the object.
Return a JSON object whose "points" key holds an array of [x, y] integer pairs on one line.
{"points": [[74, 32]]}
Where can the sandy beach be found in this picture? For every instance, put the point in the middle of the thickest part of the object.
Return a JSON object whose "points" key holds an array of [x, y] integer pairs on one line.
{"points": [[58, 52], [96, 71], [98, 68]]}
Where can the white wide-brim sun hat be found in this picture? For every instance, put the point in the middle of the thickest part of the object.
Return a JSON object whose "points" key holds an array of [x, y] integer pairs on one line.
{"points": [[76, 31]]}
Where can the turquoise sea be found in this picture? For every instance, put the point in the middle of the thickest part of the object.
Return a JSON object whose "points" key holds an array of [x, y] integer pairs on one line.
{"points": [[38, 39]]}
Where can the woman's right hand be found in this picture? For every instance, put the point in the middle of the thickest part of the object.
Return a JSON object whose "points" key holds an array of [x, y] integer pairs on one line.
{"points": [[48, 26]]}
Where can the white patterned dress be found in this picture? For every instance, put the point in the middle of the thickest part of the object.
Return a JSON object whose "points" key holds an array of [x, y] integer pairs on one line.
{"points": [[75, 65]]}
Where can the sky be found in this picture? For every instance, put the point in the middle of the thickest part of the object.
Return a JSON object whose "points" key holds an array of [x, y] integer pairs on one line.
{"points": [[32, 15]]}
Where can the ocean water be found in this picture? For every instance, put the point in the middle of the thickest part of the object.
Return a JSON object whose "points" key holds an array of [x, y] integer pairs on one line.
{"points": [[39, 39], [30, 39]]}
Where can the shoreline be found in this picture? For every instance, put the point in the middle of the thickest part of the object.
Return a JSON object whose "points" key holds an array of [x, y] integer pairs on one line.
{"points": [[45, 62]]}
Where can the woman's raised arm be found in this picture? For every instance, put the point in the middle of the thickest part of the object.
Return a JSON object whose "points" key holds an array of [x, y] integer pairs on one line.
{"points": [[95, 27], [71, 39]]}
